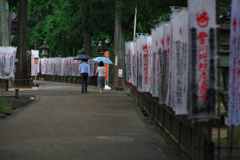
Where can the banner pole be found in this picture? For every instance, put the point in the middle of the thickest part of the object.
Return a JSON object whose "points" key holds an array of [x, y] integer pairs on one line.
{"points": [[135, 24]]}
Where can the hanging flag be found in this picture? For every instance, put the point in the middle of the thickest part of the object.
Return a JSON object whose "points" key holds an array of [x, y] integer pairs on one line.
{"points": [[158, 63], [43, 66], [152, 62], [35, 65], [146, 49], [202, 16], [139, 45], [155, 61], [234, 71], [179, 62], [131, 62], [134, 66], [7, 62], [128, 58], [63, 67], [164, 52]]}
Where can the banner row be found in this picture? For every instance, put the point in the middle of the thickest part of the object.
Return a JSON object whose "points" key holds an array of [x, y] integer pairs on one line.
{"points": [[177, 62], [58, 66]]}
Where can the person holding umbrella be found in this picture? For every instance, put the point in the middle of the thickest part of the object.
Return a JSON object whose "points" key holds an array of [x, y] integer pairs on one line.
{"points": [[101, 76], [101, 71], [84, 69]]}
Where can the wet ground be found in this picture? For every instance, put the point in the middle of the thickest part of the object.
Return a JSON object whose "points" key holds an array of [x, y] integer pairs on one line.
{"points": [[63, 124]]}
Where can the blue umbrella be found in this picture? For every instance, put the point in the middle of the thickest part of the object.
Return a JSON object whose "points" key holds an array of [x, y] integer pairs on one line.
{"points": [[103, 59]]}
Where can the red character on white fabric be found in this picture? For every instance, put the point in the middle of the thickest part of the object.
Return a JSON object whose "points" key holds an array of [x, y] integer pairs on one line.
{"points": [[234, 24], [202, 19], [202, 36]]}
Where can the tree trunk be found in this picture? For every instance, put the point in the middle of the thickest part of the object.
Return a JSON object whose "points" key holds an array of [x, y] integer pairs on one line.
{"points": [[87, 42], [4, 23], [118, 45], [118, 33], [23, 59], [87, 39]]}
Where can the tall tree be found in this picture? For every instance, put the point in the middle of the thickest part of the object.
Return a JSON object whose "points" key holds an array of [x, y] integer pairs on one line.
{"points": [[70, 25], [85, 7], [22, 68], [118, 45], [118, 35], [94, 17], [4, 23]]}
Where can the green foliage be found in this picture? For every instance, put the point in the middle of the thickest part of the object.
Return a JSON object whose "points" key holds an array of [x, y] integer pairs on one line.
{"points": [[4, 106], [62, 23], [150, 13], [50, 21]]}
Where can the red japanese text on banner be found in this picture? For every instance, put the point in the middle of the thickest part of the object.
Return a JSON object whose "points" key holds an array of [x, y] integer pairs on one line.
{"points": [[202, 14]]}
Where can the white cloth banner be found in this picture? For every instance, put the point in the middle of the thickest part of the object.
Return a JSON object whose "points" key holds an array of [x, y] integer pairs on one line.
{"points": [[165, 36], [35, 63], [93, 67], [202, 16], [139, 45], [146, 51], [180, 62], [135, 64], [63, 67], [132, 45], [7, 62], [128, 61], [157, 49], [234, 71], [152, 62]]}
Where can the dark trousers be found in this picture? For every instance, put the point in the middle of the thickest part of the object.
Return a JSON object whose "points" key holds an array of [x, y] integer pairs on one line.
{"points": [[84, 82]]}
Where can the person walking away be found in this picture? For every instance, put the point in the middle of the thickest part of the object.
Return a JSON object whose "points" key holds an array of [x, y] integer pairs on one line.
{"points": [[101, 76], [84, 71]]}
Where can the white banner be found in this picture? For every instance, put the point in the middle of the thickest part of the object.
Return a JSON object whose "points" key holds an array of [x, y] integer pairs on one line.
{"points": [[128, 61], [7, 62], [93, 67], [156, 52], [165, 54], [63, 67], [202, 15], [179, 61], [35, 63], [132, 45], [139, 63], [135, 64], [146, 51], [152, 62], [234, 71]]}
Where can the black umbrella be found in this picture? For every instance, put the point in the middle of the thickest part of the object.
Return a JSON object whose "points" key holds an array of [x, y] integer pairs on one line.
{"points": [[82, 57]]}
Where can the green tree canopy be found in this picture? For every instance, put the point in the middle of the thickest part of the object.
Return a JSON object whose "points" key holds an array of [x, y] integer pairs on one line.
{"points": [[67, 25]]}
